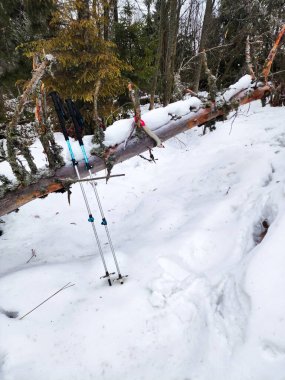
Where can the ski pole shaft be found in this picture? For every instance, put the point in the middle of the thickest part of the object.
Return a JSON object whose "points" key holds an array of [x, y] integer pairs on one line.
{"points": [[78, 123], [61, 116]]}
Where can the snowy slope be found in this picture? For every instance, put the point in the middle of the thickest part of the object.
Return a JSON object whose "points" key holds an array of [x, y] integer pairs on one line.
{"points": [[202, 301]]}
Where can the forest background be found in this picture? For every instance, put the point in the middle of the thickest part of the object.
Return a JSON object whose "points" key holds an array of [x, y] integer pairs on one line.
{"points": [[101, 45]]}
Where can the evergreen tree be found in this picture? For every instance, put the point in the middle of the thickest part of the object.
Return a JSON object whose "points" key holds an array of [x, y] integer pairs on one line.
{"points": [[21, 21], [136, 42], [258, 19], [88, 66]]}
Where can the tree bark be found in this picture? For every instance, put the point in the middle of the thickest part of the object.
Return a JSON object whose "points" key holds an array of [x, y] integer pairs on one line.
{"points": [[65, 175]]}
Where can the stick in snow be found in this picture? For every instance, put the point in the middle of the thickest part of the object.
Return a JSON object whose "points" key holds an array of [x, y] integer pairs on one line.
{"points": [[130, 135], [93, 179], [33, 255], [68, 285]]}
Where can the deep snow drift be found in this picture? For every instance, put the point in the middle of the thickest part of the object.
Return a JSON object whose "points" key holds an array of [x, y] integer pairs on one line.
{"points": [[202, 301]]}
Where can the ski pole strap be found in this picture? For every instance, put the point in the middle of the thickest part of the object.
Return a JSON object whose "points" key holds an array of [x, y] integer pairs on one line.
{"points": [[61, 114], [72, 112], [78, 125], [79, 117]]}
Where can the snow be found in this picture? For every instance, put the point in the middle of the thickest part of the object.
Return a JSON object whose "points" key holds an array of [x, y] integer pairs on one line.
{"points": [[120, 130], [202, 300], [156, 118], [242, 83], [50, 57], [182, 107]]}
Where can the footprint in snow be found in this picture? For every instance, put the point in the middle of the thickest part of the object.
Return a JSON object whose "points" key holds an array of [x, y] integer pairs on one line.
{"points": [[272, 350]]}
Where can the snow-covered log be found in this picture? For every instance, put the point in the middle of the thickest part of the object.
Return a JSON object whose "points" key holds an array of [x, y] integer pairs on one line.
{"points": [[64, 176]]}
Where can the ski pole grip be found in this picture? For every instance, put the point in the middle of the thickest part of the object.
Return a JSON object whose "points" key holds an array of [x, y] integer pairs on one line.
{"points": [[60, 113]]}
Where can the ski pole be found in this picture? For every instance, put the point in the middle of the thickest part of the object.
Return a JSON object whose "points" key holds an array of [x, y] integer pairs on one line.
{"points": [[78, 124], [62, 117]]}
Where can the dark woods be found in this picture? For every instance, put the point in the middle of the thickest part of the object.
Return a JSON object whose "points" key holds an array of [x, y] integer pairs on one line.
{"points": [[101, 45]]}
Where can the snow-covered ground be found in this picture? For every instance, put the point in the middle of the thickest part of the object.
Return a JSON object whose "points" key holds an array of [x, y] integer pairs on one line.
{"points": [[203, 299]]}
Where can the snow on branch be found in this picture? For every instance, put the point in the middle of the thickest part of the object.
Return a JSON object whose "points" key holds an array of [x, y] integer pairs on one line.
{"points": [[189, 113], [166, 122]]}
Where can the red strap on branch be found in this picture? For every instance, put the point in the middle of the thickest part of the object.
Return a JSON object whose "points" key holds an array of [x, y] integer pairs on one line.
{"points": [[142, 123]]}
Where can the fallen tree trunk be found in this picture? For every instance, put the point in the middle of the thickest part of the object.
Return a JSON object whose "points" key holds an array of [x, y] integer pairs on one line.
{"points": [[64, 176]]}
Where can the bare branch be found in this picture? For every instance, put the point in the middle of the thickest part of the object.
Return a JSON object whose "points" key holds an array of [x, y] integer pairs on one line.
{"points": [[248, 58], [185, 65], [271, 56]]}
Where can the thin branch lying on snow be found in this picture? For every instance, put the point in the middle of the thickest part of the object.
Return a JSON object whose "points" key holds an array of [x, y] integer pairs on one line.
{"points": [[66, 286], [33, 255]]}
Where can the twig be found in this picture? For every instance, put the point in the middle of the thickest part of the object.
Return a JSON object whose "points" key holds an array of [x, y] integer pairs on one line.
{"points": [[189, 91], [92, 179], [151, 159], [130, 135], [68, 285], [277, 72], [181, 142], [33, 255], [248, 58], [184, 66], [116, 110], [234, 117], [133, 94], [211, 79]]}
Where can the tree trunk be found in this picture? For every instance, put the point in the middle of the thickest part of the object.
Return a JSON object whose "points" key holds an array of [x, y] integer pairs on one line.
{"points": [[83, 10], [174, 12], [95, 101], [66, 175], [204, 34], [12, 142], [106, 11], [115, 11], [162, 30]]}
